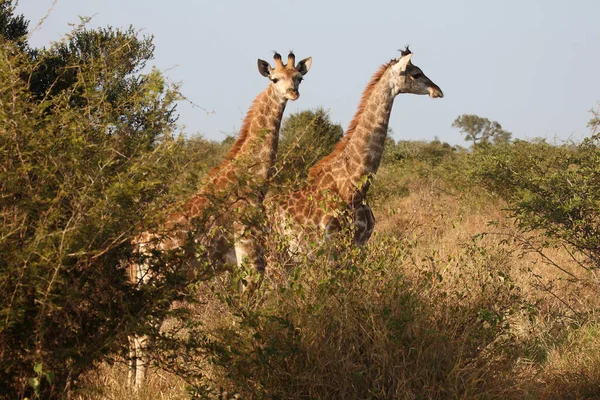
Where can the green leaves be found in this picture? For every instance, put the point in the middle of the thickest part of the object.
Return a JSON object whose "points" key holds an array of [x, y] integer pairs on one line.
{"points": [[87, 154], [12, 27], [553, 188], [306, 137], [481, 130]]}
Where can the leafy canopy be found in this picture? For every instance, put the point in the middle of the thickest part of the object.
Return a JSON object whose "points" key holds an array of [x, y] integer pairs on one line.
{"points": [[481, 130]]}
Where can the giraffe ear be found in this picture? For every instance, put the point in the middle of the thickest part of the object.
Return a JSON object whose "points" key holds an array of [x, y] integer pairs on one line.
{"points": [[404, 61], [304, 65], [264, 68], [400, 66]]}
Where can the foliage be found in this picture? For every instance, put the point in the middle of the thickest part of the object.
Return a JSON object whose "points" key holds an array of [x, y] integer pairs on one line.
{"points": [[405, 161], [594, 122], [196, 157], [481, 130], [555, 189], [306, 137], [432, 153], [55, 68], [12, 27], [82, 166], [357, 324]]}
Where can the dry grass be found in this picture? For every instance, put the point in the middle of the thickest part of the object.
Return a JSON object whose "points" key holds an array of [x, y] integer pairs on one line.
{"points": [[430, 309], [110, 382]]}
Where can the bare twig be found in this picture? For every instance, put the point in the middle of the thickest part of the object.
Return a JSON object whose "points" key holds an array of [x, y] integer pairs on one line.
{"points": [[41, 21]]}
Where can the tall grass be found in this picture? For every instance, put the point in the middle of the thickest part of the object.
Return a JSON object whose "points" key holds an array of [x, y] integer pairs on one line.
{"points": [[439, 305]]}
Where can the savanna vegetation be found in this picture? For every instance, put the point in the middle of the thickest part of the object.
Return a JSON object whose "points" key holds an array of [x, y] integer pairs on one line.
{"points": [[480, 281]]}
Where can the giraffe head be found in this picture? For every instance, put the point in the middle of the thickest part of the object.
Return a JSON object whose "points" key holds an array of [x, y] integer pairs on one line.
{"points": [[285, 78], [410, 79]]}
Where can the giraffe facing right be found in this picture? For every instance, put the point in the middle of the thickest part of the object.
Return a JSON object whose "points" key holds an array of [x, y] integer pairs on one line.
{"points": [[336, 188]]}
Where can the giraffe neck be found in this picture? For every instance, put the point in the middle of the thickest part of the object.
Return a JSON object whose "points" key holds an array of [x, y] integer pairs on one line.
{"points": [[247, 168], [357, 157], [263, 121], [254, 151]]}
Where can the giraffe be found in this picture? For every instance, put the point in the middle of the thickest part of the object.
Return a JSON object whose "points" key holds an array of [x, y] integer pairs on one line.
{"points": [[336, 187], [238, 183]]}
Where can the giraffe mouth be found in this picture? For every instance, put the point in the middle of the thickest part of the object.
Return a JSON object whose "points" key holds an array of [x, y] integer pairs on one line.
{"points": [[293, 94], [435, 93]]}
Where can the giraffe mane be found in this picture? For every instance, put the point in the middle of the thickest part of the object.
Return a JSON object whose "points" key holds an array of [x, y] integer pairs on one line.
{"points": [[316, 169], [237, 145]]}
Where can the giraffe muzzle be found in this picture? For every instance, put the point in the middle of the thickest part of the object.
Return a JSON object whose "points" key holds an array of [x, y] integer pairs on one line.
{"points": [[435, 92], [293, 94]]}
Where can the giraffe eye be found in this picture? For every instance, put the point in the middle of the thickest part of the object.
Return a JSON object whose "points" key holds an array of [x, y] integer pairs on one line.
{"points": [[274, 80]]}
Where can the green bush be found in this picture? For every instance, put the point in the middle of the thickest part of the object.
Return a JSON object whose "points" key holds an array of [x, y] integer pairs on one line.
{"points": [[87, 151], [13, 27], [196, 157], [306, 137], [407, 162], [432, 153], [372, 322], [554, 189]]}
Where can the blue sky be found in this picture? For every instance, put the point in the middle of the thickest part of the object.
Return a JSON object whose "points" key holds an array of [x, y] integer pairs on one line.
{"points": [[530, 65]]}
